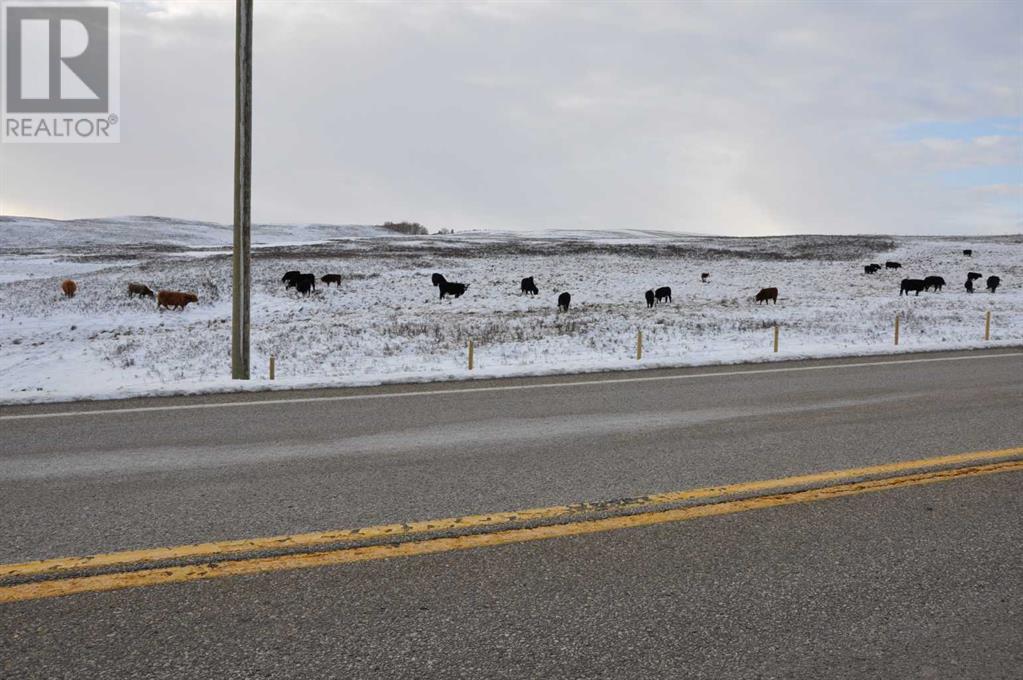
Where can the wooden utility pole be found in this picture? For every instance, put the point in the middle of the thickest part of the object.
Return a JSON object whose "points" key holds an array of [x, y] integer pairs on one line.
{"points": [[241, 276]]}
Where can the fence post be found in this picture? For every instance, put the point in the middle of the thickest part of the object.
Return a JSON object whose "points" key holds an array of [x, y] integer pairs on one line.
{"points": [[896, 329], [272, 366], [471, 357], [639, 344], [987, 325], [776, 338]]}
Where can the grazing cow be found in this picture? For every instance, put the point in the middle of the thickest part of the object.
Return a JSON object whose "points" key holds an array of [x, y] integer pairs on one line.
{"points": [[892, 265], [453, 289], [289, 277], [704, 277], [767, 294], [910, 285], [935, 282], [295, 277], [171, 299], [438, 279], [969, 285], [563, 301], [967, 252], [140, 290], [528, 287], [973, 276], [663, 294], [303, 283], [993, 282], [872, 268], [649, 298], [69, 288], [331, 278]]}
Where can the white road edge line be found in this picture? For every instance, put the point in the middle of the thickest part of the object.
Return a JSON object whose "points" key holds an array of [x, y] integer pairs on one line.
{"points": [[495, 388]]}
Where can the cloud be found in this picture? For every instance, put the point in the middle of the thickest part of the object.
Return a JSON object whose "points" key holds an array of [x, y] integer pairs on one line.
{"points": [[740, 118]]}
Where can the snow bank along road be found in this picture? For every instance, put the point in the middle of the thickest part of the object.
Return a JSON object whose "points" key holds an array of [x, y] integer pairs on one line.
{"points": [[915, 581]]}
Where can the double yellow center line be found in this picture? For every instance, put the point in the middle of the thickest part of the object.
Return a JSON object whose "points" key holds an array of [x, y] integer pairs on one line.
{"points": [[134, 568]]}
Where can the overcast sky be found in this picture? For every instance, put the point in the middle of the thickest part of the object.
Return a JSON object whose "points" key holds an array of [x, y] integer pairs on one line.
{"points": [[727, 117]]}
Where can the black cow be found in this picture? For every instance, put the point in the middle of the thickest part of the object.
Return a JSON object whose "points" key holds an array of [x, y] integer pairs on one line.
{"points": [[331, 278], [663, 294], [293, 280], [563, 301], [969, 285], [935, 282], [993, 282], [289, 277], [438, 279], [704, 277], [967, 252], [973, 276], [871, 268], [910, 285], [766, 295], [649, 298], [304, 283], [451, 288], [528, 287], [141, 290], [892, 265]]}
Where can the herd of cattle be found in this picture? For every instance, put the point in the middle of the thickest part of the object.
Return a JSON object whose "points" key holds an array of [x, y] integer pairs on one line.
{"points": [[908, 286], [165, 299], [528, 287], [306, 283]]}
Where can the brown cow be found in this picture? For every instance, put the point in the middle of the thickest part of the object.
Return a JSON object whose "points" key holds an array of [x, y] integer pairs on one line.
{"points": [[174, 300], [69, 287], [140, 290], [767, 294]]}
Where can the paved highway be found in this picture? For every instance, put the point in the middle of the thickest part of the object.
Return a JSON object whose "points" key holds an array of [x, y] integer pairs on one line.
{"points": [[914, 581]]}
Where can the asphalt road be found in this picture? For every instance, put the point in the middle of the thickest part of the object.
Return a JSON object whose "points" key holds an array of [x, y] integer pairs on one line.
{"points": [[73, 485], [915, 582]]}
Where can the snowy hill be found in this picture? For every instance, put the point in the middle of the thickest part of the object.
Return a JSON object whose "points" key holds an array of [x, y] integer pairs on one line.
{"points": [[39, 233], [34, 233]]}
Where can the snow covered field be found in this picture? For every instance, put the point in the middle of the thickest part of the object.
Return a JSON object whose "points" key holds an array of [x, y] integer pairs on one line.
{"points": [[385, 323]]}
